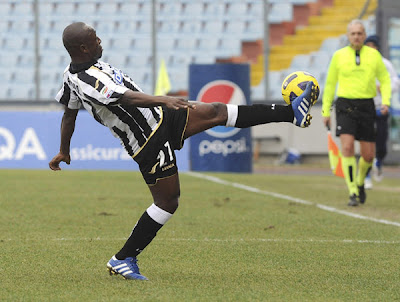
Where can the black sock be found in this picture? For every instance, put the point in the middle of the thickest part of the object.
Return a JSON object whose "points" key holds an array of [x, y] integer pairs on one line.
{"points": [[143, 233], [261, 114]]}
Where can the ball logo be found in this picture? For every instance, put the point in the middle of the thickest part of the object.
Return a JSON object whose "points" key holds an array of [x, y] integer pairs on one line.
{"points": [[225, 92]]}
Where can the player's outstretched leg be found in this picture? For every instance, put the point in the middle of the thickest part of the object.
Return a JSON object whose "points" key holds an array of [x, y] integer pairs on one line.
{"points": [[302, 105], [127, 268]]}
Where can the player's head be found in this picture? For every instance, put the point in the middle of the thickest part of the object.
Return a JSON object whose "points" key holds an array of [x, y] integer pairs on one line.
{"points": [[356, 34], [372, 41], [81, 42]]}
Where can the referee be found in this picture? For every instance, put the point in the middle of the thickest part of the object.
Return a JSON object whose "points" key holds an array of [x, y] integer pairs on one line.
{"points": [[354, 70]]}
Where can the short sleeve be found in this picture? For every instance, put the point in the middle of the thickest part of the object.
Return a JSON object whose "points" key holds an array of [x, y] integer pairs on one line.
{"points": [[68, 98]]}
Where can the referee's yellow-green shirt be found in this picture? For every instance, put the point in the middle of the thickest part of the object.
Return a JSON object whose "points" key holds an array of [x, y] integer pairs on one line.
{"points": [[355, 81]]}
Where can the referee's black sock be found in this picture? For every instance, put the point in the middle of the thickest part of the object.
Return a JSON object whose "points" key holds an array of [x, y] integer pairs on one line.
{"points": [[144, 231], [258, 114]]}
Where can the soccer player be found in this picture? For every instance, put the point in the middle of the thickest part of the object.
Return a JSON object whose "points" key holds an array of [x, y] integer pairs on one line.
{"points": [[355, 69], [382, 120], [150, 128]]}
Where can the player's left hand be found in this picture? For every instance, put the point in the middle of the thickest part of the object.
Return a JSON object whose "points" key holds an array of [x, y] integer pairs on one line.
{"points": [[54, 164]]}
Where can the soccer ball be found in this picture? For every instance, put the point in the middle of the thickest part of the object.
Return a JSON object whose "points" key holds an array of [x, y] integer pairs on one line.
{"points": [[295, 83]]}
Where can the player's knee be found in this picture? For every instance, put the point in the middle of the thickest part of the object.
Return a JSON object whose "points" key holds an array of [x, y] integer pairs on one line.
{"points": [[347, 150], [169, 203]]}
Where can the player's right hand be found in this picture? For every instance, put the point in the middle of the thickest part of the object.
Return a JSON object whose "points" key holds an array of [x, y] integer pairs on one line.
{"points": [[54, 164]]}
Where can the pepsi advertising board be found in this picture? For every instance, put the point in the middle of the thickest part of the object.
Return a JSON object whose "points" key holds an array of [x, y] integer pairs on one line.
{"points": [[223, 149]]}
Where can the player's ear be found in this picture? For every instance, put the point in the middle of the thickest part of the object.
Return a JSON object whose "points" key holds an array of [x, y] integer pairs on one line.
{"points": [[83, 48]]}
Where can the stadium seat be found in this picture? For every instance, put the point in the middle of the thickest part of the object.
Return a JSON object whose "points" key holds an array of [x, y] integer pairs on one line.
{"points": [[128, 8], [207, 45], [236, 9], [320, 60], [213, 9], [85, 9], [122, 43], [14, 91], [8, 61], [5, 8], [168, 27], [22, 8], [256, 10], [66, 8], [203, 58], [192, 9], [117, 59], [330, 45], [107, 8], [190, 27], [212, 28], [229, 47], [280, 12], [235, 28], [188, 44], [300, 62]]}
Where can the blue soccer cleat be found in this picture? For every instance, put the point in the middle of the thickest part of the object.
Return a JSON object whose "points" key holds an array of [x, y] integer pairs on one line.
{"points": [[127, 268], [302, 105]]}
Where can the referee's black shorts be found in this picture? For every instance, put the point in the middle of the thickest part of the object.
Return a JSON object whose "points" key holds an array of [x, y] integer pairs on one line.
{"points": [[157, 158], [356, 117]]}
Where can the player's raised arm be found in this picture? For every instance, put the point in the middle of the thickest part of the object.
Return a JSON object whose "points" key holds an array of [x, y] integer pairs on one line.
{"points": [[140, 99], [67, 129]]}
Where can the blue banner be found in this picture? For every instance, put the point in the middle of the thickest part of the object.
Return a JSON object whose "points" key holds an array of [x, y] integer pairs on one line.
{"points": [[29, 140], [225, 149]]}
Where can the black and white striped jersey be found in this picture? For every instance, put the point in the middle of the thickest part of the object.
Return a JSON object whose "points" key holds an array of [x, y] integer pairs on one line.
{"points": [[98, 87]]}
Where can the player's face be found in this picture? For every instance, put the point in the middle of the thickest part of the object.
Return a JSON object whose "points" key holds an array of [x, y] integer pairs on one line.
{"points": [[93, 44], [356, 36]]}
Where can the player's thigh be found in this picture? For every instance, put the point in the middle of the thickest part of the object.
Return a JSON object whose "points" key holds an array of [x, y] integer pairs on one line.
{"points": [[205, 116]]}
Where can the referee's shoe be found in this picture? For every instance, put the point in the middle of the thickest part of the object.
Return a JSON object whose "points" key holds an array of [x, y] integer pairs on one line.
{"points": [[127, 268], [302, 105]]}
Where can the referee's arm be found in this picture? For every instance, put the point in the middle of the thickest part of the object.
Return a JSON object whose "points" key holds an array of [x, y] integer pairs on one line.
{"points": [[330, 87], [385, 82]]}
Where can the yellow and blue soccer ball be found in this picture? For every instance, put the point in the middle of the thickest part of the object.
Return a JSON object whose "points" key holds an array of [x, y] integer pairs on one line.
{"points": [[295, 83]]}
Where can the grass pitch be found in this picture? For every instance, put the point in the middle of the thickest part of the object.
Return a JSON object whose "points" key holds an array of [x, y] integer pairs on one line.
{"points": [[58, 230]]}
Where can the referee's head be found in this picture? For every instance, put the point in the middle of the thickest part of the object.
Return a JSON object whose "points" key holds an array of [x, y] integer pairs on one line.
{"points": [[82, 43]]}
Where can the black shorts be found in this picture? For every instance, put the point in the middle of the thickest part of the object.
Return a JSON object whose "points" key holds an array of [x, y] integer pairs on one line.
{"points": [[356, 117], [157, 158]]}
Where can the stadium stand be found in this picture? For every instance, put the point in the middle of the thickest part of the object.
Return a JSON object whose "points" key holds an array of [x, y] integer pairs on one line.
{"points": [[203, 31]]}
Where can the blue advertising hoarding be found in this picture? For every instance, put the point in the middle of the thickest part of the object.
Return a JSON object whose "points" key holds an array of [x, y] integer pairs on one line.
{"points": [[225, 149], [29, 140]]}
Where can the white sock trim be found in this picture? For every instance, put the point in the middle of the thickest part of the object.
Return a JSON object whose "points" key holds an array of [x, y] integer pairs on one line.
{"points": [[158, 215], [232, 115]]}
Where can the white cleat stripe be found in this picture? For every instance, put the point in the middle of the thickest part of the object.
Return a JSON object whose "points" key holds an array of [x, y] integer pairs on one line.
{"points": [[119, 266], [306, 101], [304, 106], [123, 269], [127, 272], [301, 110]]}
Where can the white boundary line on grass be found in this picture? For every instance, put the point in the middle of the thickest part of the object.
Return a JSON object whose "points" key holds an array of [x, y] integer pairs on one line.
{"points": [[290, 198], [276, 240]]}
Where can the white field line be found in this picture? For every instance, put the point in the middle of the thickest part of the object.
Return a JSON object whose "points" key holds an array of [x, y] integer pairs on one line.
{"points": [[290, 198], [205, 240]]}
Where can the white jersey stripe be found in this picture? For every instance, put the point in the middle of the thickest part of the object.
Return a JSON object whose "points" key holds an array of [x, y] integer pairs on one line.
{"points": [[98, 88]]}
